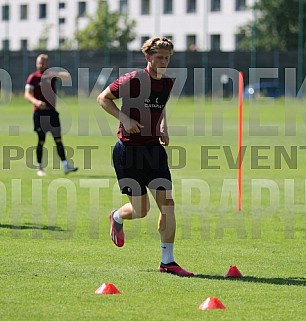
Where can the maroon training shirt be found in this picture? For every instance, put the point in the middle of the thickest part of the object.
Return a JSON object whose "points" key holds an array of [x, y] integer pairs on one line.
{"points": [[44, 88], [143, 99]]}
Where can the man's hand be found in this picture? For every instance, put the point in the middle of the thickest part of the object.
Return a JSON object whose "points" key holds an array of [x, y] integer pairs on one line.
{"points": [[131, 126], [40, 104], [164, 138]]}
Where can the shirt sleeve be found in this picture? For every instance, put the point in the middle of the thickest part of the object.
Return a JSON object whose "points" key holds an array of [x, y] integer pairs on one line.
{"points": [[30, 80], [121, 86], [29, 87]]}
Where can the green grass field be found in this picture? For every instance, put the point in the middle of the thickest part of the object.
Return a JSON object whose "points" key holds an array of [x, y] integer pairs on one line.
{"points": [[54, 231]]}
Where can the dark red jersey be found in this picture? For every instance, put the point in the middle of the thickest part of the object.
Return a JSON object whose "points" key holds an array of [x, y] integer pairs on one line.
{"points": [[143, 99], [44, 88]]}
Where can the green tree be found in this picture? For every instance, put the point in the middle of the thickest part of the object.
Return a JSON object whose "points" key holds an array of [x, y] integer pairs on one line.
{"points": [[275, 26], [106, 30], [44, 38]]}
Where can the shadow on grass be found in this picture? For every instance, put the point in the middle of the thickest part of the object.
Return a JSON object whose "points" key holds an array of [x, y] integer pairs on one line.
{"points": [[277, 281], [32, 227]]}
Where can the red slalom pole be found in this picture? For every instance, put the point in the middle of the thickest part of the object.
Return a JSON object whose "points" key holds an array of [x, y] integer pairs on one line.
{"points": [[240, 114]]}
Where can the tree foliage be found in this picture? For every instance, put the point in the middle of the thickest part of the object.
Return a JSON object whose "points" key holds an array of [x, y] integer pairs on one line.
{"points": [[43, 38], [275, 26], [106, 30]]}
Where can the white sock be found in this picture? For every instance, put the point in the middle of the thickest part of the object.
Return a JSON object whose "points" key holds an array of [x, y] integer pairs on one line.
{"points": [[117, 217], [65, 163], [167, 252], [39, 166]]}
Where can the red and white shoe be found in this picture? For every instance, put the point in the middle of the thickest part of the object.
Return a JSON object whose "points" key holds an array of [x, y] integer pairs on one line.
{"points": [[174, 268], [116, 231]]}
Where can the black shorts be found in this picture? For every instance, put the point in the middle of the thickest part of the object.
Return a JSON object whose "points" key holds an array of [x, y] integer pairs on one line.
{"points": [[141, 167], [47, 121]]}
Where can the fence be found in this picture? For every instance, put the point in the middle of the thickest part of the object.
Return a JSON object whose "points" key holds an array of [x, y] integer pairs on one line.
{"points": [[202, 70]]}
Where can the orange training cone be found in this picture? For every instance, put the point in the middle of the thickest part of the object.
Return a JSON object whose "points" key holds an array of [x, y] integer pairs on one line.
{"points": [[211, 303], [233, 272], [107, 288]]}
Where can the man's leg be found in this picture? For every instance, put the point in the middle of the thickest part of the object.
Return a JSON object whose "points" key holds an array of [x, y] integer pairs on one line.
{"points": [[138, 207], [61, 153], [166, 221], [167, 228], [60, 148], [55, 128], [39, 152]]}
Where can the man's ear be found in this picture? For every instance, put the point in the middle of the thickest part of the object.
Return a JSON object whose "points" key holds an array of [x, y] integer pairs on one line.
{"points": [[148, 57]]}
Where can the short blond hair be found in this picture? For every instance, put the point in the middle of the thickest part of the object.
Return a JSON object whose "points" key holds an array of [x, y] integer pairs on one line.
{"points": [[153, 44], [43, 56]]}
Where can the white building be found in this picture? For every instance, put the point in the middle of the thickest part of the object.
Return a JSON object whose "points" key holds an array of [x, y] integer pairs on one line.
{"points": [[203, 25]]}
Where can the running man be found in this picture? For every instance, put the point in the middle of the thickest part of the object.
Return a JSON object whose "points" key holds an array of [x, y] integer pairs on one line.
{"points": [[40, 90], [140, 160]]}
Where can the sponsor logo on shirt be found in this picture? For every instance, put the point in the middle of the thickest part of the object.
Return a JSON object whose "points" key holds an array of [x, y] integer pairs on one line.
{"points": [[149, 104]]}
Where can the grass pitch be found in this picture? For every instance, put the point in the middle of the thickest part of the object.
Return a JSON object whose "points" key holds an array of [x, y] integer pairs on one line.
{"points": [[55, 246]]}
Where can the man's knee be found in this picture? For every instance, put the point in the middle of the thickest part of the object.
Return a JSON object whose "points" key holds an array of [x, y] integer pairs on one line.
{"points": [[169, 202], [167, 207], [141, 211]]}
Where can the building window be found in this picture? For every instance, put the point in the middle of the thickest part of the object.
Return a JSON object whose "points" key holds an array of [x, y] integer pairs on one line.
{"points": [[6, 12], [170, 37], [62, 42], [215, 42], [191, 6], [82, 9], [62, 5], [215, 5], [143, 39], [123, 6], [24, 12], [191, 42], [145, 7], [168, 6], [24, 44], [5, 44], [240, 5], [42, 11], [61, 21]]}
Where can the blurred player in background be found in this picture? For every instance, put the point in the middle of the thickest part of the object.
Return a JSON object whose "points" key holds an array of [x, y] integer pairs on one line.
{"points": [[40, 90], [140, 160]]}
